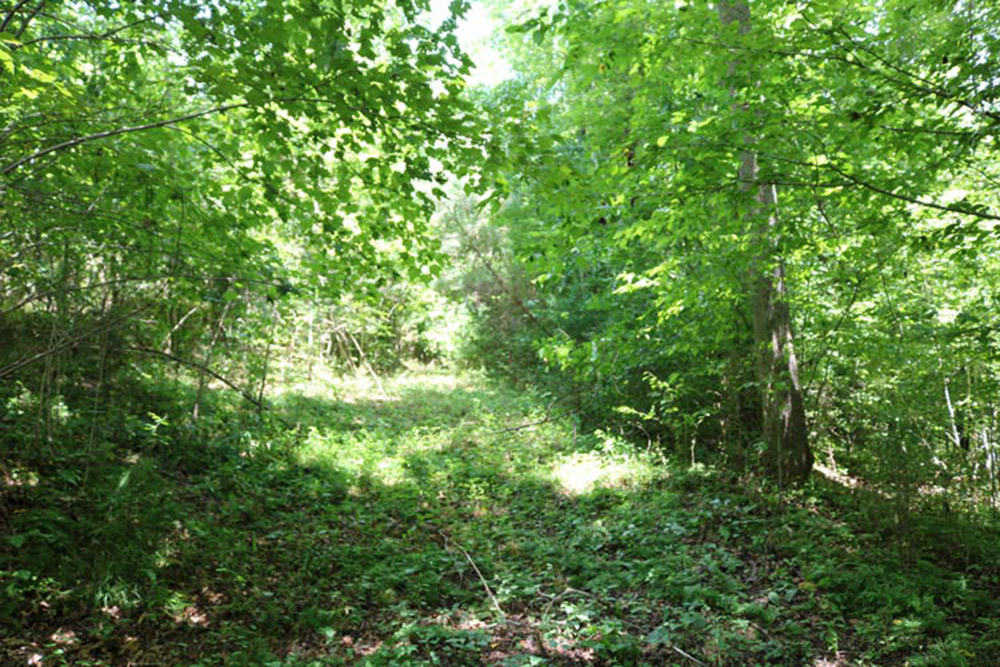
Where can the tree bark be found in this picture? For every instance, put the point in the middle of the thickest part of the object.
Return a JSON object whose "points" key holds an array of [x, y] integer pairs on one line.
{"points": [[787, 456]]}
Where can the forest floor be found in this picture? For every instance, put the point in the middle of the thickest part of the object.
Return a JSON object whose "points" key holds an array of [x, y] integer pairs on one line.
{"points": [[450, 522]]}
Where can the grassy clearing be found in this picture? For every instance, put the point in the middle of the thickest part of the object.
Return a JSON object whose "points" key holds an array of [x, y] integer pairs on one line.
{"points": [[450, 522]]}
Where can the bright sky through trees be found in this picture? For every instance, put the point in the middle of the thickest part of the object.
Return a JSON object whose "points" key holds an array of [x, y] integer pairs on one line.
{"points": [[475, 33]]}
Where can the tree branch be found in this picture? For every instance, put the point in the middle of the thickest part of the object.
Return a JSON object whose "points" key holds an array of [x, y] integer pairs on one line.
{"points": [[912, 200], [108, 34], [929, 87], [121, 130], [11, 14], [204, 369], [29, 18], [101, 328]]}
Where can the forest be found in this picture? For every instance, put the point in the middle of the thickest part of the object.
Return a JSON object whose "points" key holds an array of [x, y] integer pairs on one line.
{"points": [[500, 332]]}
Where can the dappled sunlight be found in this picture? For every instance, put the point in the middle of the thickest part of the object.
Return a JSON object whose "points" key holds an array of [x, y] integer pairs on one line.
{"points": [[616, 464], [330, 384], [428, 380], [438, 424], [456, 523], [399, 333], [581, 473]]}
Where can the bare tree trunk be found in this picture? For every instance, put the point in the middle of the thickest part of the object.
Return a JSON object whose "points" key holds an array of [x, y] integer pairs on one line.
{"points": [[785, 434]]}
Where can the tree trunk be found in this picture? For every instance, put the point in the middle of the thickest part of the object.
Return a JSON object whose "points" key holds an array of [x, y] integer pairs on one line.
{"points": [[787, 456]]}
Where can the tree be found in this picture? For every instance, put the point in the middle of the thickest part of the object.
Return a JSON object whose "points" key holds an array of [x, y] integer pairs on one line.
{"points": [[786, 438]]}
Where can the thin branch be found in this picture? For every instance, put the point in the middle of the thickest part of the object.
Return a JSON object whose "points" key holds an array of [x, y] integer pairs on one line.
{"points": [[109, 34], [933, 90], [500, 281], [55, 349], [121, 130], [242, 171], [35, 296], [180, 323], [11, 14], [364, 360], [690, 657], [556, 598], [913, 200], [29, 18], [858, 64], [535, 423], [836, 327], [204, 369], [482, 579]]}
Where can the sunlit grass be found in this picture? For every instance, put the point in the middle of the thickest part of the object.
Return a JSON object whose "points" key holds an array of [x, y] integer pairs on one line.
{"points": [[376, 428], [582, 473], [615, 464]]}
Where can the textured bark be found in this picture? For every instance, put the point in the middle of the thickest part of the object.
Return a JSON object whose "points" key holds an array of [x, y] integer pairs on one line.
{"points": [[784, 432]]}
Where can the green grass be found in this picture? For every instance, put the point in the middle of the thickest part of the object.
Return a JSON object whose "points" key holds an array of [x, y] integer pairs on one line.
{"points": [[451, 522]]}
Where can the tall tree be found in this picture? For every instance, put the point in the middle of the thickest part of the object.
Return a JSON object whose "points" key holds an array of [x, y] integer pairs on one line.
{"points": [[783, 416]]}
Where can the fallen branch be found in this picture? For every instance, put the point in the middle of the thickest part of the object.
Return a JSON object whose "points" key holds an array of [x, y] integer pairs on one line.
{"points": [[204, 369], [520, 427], [556, 598], [482, 579], [690, 657]]}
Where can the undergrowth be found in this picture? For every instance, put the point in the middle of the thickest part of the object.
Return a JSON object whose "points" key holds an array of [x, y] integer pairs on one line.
{"points": [[449, 522]]}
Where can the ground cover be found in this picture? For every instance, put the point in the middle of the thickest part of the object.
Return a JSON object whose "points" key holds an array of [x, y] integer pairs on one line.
{"points": [[444, 520]]}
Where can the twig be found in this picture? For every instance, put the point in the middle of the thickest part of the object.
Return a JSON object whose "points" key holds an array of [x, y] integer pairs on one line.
{"points": [[760, 629], [364, 360], [205, 369], [556, 598], [109, 35], [180, 323], [11, 14], [688, 656], [467, 237], [509, 429], [121, 130], [55, 349], [961, 210], [482, 579]]}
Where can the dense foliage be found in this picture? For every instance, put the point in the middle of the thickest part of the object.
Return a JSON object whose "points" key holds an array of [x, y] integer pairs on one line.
{"points": [[729, 267], [171, 171], [867, 202]]}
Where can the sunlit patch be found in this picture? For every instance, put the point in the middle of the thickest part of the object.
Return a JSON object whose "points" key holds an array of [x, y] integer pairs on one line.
{"points": [[192, 615], [211, 596], [18, 477], [390, 471], [838, 659], [581, 473]]}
